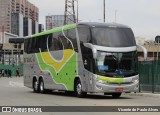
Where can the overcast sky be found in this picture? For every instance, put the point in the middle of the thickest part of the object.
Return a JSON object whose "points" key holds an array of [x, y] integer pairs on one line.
{"points": [[143, 16]]}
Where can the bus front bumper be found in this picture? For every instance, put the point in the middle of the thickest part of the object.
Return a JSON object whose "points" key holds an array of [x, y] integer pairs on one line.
{"points": [[113, 88]]}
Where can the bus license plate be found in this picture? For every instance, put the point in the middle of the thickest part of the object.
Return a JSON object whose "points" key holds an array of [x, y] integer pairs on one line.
{"points": [[119, 89]]}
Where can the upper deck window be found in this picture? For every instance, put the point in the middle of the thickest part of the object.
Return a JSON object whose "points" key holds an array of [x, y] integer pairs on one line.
{"points": [[113, 37]]}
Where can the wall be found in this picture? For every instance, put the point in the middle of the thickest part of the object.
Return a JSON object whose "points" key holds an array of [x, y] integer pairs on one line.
{"points": [[12, 68]]}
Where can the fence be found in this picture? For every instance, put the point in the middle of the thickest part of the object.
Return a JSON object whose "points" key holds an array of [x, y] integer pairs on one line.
{"points": [[12, 68], [149, 72]]}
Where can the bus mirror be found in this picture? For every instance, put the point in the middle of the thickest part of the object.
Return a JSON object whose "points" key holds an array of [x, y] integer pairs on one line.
{"points": [[145, 54], [94, 51]]}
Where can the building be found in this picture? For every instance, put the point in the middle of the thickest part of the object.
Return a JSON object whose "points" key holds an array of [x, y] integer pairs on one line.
{"points": [[17, 24], [5, 15], [27, 26], [6, 36], [8, 8], [41, 28], [19, 17], [153, 50], [6, 51], [53, 21]]}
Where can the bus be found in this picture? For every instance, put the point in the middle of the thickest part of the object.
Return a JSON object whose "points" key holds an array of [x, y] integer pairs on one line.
{"points": [[82, 58]]}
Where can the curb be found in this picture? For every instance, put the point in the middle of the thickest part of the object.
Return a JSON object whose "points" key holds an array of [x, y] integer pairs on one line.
{"points": [[143, 94]]}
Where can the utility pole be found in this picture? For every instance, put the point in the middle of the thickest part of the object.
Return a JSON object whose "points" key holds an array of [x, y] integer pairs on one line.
{"points": [[157, 40], [115, 16], [69, 14], [77, 10], [104, 8]]}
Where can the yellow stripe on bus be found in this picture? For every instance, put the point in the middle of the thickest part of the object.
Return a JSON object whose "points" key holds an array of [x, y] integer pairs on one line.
{"points": [[56, 64]]}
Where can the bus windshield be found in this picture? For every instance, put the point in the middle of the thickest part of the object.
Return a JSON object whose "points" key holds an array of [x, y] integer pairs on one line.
{"points": [[117, 64], [113, 37]]}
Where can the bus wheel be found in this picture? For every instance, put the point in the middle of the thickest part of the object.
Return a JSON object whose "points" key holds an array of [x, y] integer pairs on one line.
{"points": [[116, 95], [78, 89], [35, 86], [41, 86]]}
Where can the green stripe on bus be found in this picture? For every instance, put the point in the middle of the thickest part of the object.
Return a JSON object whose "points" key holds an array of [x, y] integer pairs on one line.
{"points": [[55, 30], [66, 75], [111, 80]]}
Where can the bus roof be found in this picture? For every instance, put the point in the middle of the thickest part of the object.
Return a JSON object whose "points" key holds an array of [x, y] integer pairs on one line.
{"points": [[57, 29], [89, 24], [96, 24]]}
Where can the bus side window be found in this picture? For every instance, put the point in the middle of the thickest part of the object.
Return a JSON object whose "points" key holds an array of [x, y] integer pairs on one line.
{"points": [[33, 48], [29, 45], [26, 41], [55, 42], [63, 41], [84, 34], [87, 57], [71, 34]]}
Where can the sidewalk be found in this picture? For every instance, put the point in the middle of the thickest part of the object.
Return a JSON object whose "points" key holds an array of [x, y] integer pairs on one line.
{"points": [[156, 95]]}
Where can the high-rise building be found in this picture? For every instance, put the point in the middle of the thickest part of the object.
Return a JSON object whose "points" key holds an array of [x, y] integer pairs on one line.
{"points": [[5, 15], [23, 7], [56, 21], [17, 24], [27, 26]]}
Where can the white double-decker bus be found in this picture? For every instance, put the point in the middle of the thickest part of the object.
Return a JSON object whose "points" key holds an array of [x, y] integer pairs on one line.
{"points": [[82, 58]]}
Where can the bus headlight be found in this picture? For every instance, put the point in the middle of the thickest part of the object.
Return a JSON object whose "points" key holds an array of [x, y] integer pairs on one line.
{"points": [[100, 81], [135, 81]]}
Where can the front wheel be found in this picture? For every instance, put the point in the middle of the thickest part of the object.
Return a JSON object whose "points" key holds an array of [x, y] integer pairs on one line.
{"points": [[78, 89]]}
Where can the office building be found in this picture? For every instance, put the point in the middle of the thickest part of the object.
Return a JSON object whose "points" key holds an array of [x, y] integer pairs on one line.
{"points": [[27, 26], [8, 8], [17, 24]]}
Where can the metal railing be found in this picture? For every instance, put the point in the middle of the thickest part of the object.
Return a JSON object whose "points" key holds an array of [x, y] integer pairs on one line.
{"points": [[149, 73]]}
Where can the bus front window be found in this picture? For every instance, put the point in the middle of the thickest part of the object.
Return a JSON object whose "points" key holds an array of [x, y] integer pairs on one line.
{"points": [[113, 37], [116, 64]]}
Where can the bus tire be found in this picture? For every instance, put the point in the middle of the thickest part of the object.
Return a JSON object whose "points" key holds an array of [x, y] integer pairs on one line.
{"points": [[35, 86], [116, 95], [78, 89], [42, 89], [41, 86]]}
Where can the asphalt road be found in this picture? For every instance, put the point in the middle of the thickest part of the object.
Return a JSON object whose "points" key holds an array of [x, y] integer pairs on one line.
{"points": [[13, 93]]}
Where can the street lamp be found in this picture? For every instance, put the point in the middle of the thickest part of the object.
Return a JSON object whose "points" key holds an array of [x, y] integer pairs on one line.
{"points": [[115, 16]]}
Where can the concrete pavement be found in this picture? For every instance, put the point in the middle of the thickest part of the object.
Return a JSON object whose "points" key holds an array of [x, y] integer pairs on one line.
{"points": [[155, 95]]}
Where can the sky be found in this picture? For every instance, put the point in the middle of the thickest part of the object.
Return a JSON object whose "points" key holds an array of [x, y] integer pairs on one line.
{"points": [[143, 16]]}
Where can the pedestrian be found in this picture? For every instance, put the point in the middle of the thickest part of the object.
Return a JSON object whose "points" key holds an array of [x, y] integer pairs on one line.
{"points": [[2, 72], [18, 72], [9, 73], [5, 72]]}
